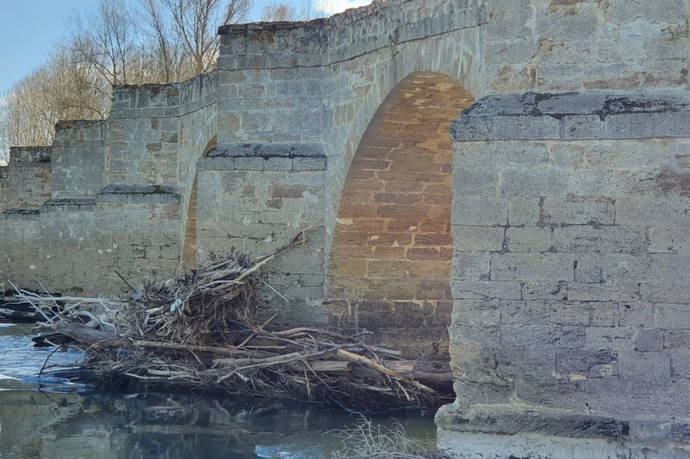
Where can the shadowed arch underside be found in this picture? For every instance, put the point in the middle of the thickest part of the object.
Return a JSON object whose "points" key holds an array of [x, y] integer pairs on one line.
{"points": [[392, 250]]}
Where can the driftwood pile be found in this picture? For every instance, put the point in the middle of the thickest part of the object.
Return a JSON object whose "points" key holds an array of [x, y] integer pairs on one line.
{"points": [[202, 332]]}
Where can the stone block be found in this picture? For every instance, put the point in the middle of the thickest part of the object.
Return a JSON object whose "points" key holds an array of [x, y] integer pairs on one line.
{"points": [[553, 291], [583, 127], [650, 340], [476, 313], [558, 313], [578, 291], [278, 164], [474, 129], [672, 316], [528, 239], [669, 239], [579, 364], [677, 339], [579, 211], [648, 125], [486, 290], [651, 366], [599, 239], [471, 266], [309, 164], [470, 210], [680, 363], [538, 336], [478, 238], [533, 182], [531, 267]]}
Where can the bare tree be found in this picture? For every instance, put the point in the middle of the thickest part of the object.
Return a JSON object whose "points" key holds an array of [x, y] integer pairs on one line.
{"points": [[107, 41], [164, 50], [172, 40], [196, 23], [277, 12]]}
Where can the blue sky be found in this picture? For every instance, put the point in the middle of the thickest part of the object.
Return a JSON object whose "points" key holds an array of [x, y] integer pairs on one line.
{"points": [[29, 29]]}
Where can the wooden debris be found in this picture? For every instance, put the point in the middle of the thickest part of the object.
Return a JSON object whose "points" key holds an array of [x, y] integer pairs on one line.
{"points": [[203, 331]]}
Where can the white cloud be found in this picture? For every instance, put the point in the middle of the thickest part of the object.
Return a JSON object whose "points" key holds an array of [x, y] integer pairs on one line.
{"points": [[338, 6]]}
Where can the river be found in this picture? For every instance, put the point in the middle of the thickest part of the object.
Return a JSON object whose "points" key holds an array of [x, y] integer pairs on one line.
{"points": [[51, 417]]}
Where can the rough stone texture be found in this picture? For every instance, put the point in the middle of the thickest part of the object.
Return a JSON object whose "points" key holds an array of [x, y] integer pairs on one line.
{"points": [[576, 271], [249, 203], [576, 116], [4, 187], [28, 177], [392, 250], [538, 446], [570, 209], [119, 232], [19, 251], [575, 45], [115, 192], [323, 81], [78, 159]]}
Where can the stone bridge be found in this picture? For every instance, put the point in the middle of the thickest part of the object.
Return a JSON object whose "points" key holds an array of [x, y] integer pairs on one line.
{"points": [[540, 238]]}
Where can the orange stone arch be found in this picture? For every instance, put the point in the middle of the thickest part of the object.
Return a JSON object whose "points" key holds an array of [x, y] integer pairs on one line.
{"points": [[392, 250]]}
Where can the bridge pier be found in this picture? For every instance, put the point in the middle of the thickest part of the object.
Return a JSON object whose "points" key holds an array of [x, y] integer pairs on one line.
{"points": [[570, 277]]}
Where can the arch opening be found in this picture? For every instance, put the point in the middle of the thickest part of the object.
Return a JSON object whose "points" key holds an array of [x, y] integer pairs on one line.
{"points": [[391, 257], [189, 240]]}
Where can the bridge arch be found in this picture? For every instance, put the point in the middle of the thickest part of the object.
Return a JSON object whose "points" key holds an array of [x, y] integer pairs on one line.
{"points": [[390, 261]]}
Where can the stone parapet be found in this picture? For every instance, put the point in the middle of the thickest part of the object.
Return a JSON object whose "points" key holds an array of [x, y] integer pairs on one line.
{"points": [[27, 179], [575, 116], [344, 36], [164, 100], [78, 158], [573, 45]]}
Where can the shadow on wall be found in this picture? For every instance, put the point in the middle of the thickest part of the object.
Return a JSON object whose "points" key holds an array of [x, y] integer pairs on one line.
{"points": [[392, 250]]}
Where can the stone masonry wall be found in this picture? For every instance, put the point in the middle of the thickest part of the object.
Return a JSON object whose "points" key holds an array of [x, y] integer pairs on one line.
{"points": [[159, 132], [573, 45], [28, 177], [257, 197], [20, 241], [571, 218], [78, 159], [4, 186]]}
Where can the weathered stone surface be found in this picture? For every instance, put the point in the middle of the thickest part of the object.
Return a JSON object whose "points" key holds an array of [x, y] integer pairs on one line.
{"points": [[586, 116], [139, 194], [566, 219], [598, 244]]}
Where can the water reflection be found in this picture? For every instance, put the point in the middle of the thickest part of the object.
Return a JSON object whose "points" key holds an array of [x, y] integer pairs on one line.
{"points": [[63, 420]]}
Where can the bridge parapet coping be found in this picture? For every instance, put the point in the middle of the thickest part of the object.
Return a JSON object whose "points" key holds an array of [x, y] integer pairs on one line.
{"points": [[165, 100], [40, 154], [344, 36], [20, 213], [288, 157], [139, 194], [575, 116], [68, 204]]}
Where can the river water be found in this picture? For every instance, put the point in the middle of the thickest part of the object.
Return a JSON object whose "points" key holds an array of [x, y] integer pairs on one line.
{"points": [[50, 417]]}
